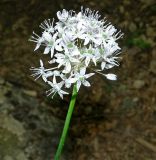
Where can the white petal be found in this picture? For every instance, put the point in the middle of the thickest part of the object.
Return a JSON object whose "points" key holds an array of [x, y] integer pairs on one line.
{"points": [[86, 83], [52, 51], [108, 66], [49, 92], [60, 63], [89, 75], [52, 61], [60, 94], [58, 41], [78, 84], [44, 78], [50, 83], [62, 16], [55, 35], [82, 36], [86, 41], [74, 60], [49, 74], [103, 64], [76, 52], [58, 48], [54, 80], [79, 15], [41, 63], [37, 46], [47, 49], [71, 80], [111, 76], [97, 41], [79, 25], [68, 66], [87, 60], [60, 84], [94, 60], [58, 14], [47, 36], [65, 13], [57, 55], [83, 71], [63, 92], [67, 85], [56, 73]]}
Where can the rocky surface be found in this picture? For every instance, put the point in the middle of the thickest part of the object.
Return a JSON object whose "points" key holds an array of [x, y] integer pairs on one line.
{"points": [[27, 129]]}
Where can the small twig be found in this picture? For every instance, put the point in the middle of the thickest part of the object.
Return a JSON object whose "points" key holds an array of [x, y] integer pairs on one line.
{"points": [[146, 144]]}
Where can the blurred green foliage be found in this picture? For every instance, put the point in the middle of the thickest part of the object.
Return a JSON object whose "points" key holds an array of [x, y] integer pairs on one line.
{"points": [[135, 39], [139, 42], [153, 9]]}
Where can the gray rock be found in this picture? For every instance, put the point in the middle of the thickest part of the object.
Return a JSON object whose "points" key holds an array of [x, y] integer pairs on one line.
{"points": [[132, 27], [21, 156], [7, 157], [30, 93], [9, 144], [128, 103], [153, 66], [12, 125], [138, 84], [154, 53], [1, 80], [2, 98]]}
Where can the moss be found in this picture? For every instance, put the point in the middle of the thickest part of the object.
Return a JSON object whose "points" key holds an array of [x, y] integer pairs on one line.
{"points": [[8, 142]]}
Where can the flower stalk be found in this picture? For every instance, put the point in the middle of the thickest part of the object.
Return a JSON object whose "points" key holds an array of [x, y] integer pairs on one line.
{"points": [[67, 123]]}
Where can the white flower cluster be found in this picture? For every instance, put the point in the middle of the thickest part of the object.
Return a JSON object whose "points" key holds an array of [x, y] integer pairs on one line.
{"points": [[77, 44]]}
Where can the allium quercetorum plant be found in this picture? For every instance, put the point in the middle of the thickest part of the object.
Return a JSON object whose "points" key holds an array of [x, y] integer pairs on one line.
{"points": [[79, 45]]}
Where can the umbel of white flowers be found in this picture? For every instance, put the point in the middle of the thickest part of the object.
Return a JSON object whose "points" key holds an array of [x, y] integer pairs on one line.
{"points": [[79, 45]]}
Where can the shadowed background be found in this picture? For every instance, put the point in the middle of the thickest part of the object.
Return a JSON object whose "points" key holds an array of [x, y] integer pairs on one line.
{"points": [[111, 121]]}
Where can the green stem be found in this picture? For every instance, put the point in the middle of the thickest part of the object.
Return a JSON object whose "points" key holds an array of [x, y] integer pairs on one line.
{"points": [[66, 125]]}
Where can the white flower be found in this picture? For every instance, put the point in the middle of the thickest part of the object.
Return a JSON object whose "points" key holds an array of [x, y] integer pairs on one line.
{"points": [[90, 54], [77, 42], [69, 82], [52, 43], [56, 88], [65, 60], [108, 54], [109, 31], [41, 71], [81, 78], [47, 25], [36, 38], [91, 37], [62, 16]]}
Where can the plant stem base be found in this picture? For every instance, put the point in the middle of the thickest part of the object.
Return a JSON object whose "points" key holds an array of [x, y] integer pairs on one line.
{"points": [[66, 125]]}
